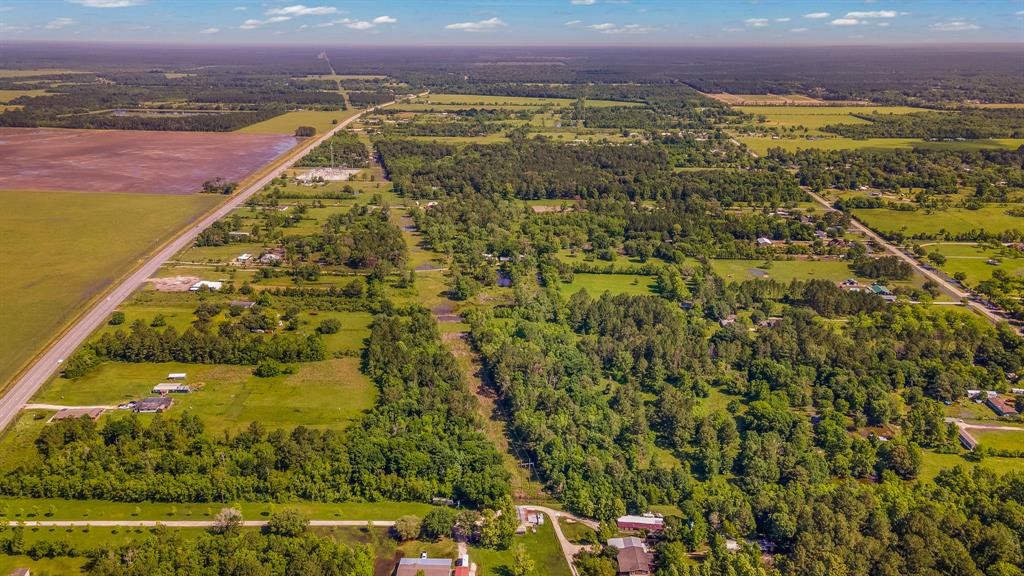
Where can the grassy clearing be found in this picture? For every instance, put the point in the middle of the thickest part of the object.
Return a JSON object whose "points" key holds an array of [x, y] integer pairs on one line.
{"points": [[761, 144], [61, 248], [932, 463], [972, 260], [327, 394], [8, 95], [999, 439], [287, 123], [783, 270], [991, 218], [596, 284]]}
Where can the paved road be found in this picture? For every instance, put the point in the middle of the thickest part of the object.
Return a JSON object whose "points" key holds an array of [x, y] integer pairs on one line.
{"points": [[947, 286], [44, 366]]}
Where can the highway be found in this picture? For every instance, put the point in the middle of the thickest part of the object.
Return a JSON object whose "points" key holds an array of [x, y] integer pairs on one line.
{"points": [[946, 285], [48, 362]]}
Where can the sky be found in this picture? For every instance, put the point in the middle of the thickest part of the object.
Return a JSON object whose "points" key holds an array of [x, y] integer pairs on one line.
{"points": [[516, 22]]}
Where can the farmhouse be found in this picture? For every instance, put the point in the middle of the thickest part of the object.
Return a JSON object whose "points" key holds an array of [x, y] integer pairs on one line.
{"points": [[634, 561], [154, 405], [209, 284], [424, 566], [648, 522], [72, 413], [171, 388], [1000, 406]]}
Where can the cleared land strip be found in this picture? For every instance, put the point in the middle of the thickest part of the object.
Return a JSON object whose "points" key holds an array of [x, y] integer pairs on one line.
{"points": [[186, 523], [48, 362]]}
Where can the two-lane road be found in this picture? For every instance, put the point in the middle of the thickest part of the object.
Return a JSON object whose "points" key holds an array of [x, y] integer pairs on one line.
{"points": [[49, 361]]}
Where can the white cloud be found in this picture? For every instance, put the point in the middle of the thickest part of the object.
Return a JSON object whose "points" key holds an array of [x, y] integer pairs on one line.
{"points": [[845, 22], [610, 28], [360, 24], [300, 10], [873, 14], [798, 30], [817, 15], [209, 31], [1019, 13], [574, 22], [478, 26], [954, 26], [252, 23], [783, 19], [240, 8], [7, 28], [58, 23], [883, 24], [756, 22], [108, 3], [583, 2]]}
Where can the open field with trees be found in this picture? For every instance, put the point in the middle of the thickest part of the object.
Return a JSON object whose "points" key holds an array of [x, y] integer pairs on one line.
{"points": [[61, 248], [955, 222], [287, 123]]}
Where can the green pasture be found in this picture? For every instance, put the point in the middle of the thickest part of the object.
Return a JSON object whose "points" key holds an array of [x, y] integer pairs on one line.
{"points": [[327, 394], [596, 284], [783, 270], [973, 260], [999, 439], [61, 248], [815, 117], [933, 462], [991, 218], [542, 546], [287, 123]]}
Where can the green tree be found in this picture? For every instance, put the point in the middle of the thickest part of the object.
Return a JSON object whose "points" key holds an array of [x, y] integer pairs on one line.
{"points": [[288, 522]]}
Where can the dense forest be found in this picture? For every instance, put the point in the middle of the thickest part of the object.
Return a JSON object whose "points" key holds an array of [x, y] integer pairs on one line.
{"points": [[341, 149]]}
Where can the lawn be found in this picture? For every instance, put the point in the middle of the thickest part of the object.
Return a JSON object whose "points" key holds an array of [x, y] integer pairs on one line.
{"points": [[991, 218], [287, 123], [815, 117], [326, 394], [542, 546], [596, 284], [972, 260], [761, 144], [999, 439], [61, 248]]}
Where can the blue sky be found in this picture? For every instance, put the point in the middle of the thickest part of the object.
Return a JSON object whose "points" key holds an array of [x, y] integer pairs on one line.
{"points": [[517, 22]]}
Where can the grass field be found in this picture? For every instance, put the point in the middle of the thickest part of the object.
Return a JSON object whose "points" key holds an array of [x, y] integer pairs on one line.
{"points": [[327, 394], [1000, 439], [783, 270], [36, 72], [991, 218], [542, 546], [932, 463], [972, 260], [8, 95], [61, 248], [287, 123], [815, 117], [595, 284], [760, 144]]}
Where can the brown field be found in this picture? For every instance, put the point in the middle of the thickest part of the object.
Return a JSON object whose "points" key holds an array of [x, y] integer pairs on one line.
{"points": [[130, 160]]}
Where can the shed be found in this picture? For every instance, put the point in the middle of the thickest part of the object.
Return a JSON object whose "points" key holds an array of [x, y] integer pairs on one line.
{"points": [[177, 376], [627, 542], [154, 405], [72, 413], [762, 241], [967, 440], [171, 388], [1001, 406]]}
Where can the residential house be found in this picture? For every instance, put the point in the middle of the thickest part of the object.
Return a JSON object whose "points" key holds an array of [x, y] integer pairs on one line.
{"points": [[634, 561]]}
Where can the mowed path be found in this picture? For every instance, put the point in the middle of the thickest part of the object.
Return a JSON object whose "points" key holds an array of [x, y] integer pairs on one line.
{"points": [[49, 361]]}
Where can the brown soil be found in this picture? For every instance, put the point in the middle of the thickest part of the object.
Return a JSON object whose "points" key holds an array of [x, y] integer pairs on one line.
{"points": [[130, 160]]}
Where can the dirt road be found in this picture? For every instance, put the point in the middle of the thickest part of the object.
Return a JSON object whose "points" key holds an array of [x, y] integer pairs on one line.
{"points": [[946, 286], [48, 362], [569, 550]]}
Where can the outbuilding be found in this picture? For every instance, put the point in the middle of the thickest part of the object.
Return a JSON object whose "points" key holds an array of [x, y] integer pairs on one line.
{"points": [[424, 566], [648, 522], [154, 405]]}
